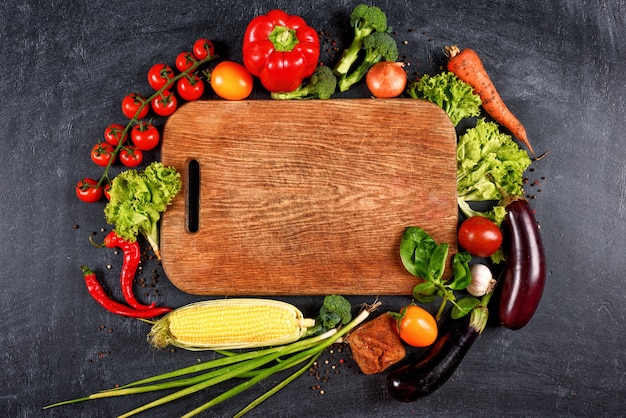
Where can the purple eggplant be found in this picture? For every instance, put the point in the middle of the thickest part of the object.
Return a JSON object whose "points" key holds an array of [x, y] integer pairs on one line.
{"points": [[525, 272], [421, 376]]}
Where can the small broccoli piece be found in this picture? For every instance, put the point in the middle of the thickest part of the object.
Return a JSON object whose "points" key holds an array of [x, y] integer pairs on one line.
{"points": [[321, 85], [335, 310], [378, 46], [365, 20], [337, 305]]}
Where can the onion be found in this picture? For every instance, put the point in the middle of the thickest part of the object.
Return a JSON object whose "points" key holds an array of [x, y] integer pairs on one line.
{"points": [[386, 79]]}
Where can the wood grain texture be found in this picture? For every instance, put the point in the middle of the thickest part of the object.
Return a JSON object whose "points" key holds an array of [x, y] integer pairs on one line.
{"points": [[307, 197]]}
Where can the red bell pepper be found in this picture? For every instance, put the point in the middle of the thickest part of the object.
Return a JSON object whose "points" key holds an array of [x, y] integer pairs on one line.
{"points": [[280, 49]]}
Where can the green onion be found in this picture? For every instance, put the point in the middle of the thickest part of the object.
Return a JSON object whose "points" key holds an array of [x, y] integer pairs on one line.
{"points": [[254, 366]]}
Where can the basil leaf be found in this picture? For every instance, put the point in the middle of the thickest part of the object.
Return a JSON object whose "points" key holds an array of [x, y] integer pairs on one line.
{"points": [[461, 268], [424, 298], [425, 292], [437, 262], [416, 249], [464, 306]]}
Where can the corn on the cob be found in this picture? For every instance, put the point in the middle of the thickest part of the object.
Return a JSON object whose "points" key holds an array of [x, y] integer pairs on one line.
{"points": [[229, 324]]}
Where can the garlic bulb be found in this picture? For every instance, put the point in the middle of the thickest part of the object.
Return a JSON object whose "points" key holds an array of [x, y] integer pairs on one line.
{"points": [[482, 280]]}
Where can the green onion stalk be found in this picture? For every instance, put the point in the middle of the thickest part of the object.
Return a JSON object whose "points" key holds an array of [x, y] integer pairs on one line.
{"points": [[252, 366]]}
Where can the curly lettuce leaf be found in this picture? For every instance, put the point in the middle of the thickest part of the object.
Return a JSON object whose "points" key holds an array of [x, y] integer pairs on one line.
{"points": [[164, 183], [450, 93], [139, 198], [487, 160]]}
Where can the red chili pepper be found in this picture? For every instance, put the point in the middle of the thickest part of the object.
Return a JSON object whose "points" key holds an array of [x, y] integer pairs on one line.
{"points": [[280, 49], [99, 295], [132, 257]]}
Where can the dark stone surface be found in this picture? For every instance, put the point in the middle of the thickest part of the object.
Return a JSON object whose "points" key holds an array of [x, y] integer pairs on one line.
{"points": [[65, 68]]}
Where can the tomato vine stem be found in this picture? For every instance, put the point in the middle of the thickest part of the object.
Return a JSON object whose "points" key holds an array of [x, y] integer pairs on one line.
{"points": [[145, 102]]}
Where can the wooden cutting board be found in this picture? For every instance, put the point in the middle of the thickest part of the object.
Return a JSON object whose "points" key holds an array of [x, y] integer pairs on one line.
{"points": [[305, 197]]}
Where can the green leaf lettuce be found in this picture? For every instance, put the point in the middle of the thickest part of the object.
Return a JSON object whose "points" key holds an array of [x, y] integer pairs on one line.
{"points": [[449, 92], [488, 159], [139, 198]]}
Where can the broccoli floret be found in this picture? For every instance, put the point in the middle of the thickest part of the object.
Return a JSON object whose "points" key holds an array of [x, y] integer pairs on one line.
{"points": [[365, 20], [335, 310], [337, 305], [321, 85], [378, 46]]}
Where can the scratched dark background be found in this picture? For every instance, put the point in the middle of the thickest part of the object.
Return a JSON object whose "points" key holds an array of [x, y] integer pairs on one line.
{"points": [[65, 68]]}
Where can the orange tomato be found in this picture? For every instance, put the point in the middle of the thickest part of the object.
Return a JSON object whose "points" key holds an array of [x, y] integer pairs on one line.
{"points": [[416, 326], [231, 81]]}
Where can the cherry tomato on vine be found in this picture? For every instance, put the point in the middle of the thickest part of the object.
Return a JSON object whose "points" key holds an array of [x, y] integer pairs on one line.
{"points": [[479, 236], [102, 153], [113, 133], [107, 191], [88, 190], [159, 75], [164, 104], [145, 136], [190, 88], [203, 48], [416, 326], [131, 156], [131, 104], [184, 60], [231, 81]]}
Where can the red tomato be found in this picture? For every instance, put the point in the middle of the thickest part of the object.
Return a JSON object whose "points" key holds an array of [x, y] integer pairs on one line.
{"points": [[190, 88], [479, 236], [131, 156], [88, 190], [164, 104], [113, 133], [416, 326], [203, 48], [102, 153], [107, 191], [145, 136], [184, 60], [131, 104], [231, 81], [386, 79], [159, 75]]}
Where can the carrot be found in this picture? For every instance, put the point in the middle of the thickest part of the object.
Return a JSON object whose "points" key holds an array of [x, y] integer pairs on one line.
{"points": [[468, 67]]}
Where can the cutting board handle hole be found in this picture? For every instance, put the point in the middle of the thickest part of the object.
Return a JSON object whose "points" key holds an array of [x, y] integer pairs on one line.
{"points": [[193, 196]]}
